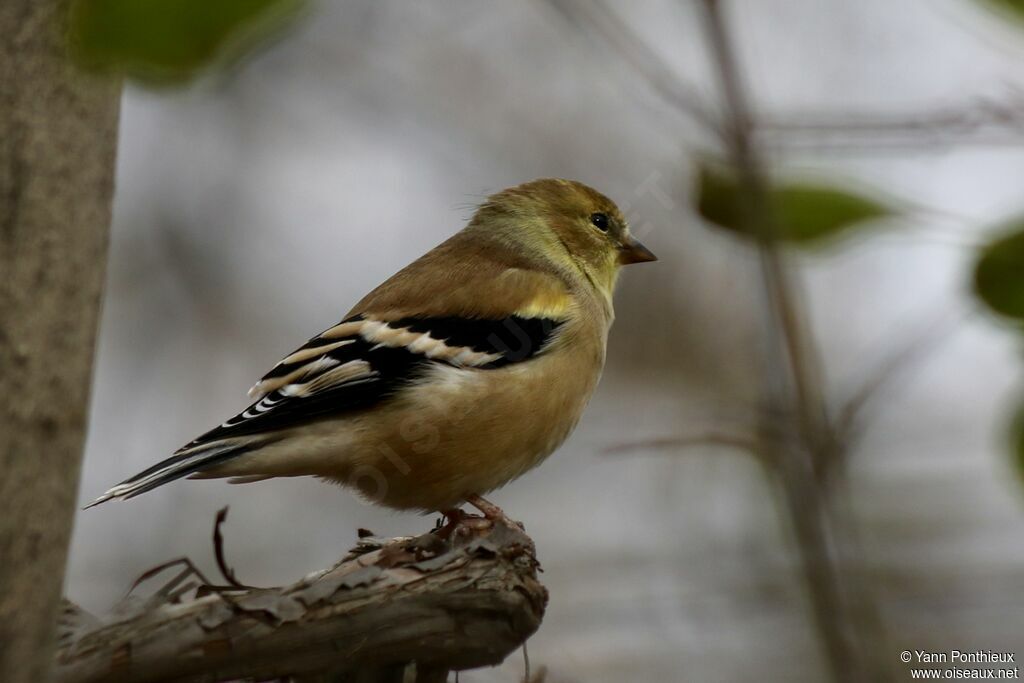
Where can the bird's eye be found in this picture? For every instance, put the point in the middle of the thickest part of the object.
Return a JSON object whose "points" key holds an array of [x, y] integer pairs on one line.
{"points": [[600, 221]]}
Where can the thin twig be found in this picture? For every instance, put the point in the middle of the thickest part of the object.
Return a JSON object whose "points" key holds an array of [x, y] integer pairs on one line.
{"points": [[950, 125], [760, 219], [793, 386], [173, 590], [897, 362], [737, 441], [218, 552], [634, 51], [190, 570]]}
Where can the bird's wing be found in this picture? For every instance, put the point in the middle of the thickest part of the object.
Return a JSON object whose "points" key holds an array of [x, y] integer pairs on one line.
{"points": [[396, 333], [361, 361]]}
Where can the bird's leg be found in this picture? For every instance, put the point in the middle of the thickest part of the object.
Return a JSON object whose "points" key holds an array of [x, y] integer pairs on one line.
{"points": [[450, 519], [452, 516], [492, 511]]}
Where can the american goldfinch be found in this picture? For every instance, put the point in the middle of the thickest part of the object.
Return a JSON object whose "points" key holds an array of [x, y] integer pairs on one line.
{"points": [[458, 374]]}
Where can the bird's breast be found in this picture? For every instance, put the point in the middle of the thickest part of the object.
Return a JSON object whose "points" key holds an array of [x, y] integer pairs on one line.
{"points": [[462, 431]]}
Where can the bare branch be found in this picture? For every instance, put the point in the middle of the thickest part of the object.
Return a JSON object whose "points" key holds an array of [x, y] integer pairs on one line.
{"points": [[734, 440], [460, 602], [843, 612], [798, 355], [896, 363], [218, 551], [982, 121], [634, 51]]}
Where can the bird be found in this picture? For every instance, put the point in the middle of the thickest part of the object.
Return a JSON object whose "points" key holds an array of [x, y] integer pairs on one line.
{"points": [[458, 374]]}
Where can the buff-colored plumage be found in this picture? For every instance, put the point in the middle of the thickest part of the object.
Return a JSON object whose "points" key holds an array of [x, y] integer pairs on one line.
{"points": [[458, 374]]}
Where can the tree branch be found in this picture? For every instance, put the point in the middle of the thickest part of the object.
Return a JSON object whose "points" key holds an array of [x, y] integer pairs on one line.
{"points": [[982, 121], [615, 34], [842, 609], [433, 603]]}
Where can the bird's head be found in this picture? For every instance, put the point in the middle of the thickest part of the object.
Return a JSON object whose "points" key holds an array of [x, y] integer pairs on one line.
{"points": [[568, 223]]}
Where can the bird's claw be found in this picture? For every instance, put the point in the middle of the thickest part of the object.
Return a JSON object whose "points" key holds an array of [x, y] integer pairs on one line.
{"points": [[492, 512], [456, 521]]}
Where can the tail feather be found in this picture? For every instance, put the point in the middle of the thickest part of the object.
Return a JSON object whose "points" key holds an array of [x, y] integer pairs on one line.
{"points": [[181, 464]]}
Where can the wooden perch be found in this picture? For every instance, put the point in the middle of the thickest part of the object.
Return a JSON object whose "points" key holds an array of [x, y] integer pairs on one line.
{"points": [[390, 605]]}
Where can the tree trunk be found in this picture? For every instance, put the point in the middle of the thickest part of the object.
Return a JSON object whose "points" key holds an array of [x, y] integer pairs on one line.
{"points": [[57, 140]]}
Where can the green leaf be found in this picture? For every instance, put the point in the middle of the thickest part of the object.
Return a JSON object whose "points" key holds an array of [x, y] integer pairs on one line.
{"points": [[1012, 9], [1017, 439], [999, 274], [806, 214], [716, 198], [171, 40]]}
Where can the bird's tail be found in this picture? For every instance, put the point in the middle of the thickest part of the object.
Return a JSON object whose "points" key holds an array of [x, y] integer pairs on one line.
{"points": [[183, 463]]}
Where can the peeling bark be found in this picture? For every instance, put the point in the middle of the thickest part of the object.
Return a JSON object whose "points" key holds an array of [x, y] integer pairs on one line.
{"points": [[425, 602]]}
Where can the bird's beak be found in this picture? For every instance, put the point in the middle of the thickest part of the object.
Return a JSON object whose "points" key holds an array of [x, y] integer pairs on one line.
{"points": [[634, 252]]}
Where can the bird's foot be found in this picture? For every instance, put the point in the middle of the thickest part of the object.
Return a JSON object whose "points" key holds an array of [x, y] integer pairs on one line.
{"points": [[455, 521], [492, 512], [450, 519]]}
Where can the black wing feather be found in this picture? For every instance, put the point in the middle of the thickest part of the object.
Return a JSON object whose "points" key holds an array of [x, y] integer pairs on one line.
{"points": [[515, 338], [393, 368]]}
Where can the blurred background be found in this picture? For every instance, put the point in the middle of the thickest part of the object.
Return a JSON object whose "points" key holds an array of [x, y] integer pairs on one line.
{"points": [[258, 202]]}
